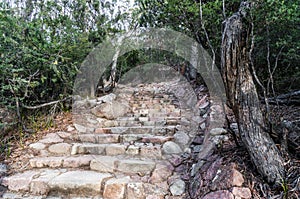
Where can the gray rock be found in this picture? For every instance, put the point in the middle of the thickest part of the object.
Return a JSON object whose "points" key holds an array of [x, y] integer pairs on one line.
{"points": [[3, 169], [187, 150], [181, 138], [203, 126], [220, 138], [171, 148], [92, 103], [107, 98], [234, 127], [70, 128], [75, 147], [79, 104], [204, 105], [80, 128], [136, 166], [110, 110], [197, 148], [177, 188], [218, 131], [37, 146], [219, 194]]}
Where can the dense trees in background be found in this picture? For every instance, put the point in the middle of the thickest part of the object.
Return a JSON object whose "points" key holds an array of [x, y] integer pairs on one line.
{"points": [[275, 32], [42, 45]]}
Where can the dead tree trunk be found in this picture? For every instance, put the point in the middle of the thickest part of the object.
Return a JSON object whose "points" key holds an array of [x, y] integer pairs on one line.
{"points": [[243, 99]]}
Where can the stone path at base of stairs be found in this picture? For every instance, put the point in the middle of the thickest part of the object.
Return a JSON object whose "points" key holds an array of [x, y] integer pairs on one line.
{"points": [[121, 146]]}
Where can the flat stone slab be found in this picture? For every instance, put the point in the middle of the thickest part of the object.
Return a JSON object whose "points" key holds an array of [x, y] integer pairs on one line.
{"points": [[40, 162], [51, 138], [39, 186], [10, 195], [20, 181], [89, 148], [115, 149], [76, 162], [79, 182], [105, 139], [136, 166], [103, 164], [60, 148], [37, 146]]}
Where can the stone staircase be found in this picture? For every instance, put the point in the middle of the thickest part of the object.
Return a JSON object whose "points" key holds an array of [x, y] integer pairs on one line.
{"points": [[124, 145]]}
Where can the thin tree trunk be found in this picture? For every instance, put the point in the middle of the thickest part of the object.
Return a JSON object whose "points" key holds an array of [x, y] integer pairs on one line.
{"points": [[112, 78], [243, 98]]}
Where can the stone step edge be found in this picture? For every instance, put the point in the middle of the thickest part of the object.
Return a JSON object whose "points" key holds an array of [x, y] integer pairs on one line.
{"points": [[122, 138], [135, 129], [82, 154], [40, 183]]}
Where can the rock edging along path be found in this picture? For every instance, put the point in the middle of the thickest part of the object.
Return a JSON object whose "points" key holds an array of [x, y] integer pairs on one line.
{"points": [[121, 146]]}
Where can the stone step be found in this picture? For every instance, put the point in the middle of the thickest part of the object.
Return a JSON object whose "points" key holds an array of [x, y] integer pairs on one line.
{"points": [[127, 166], [154, 130], [96, 183], [140, 150], [82, 184], [141, 121], [99, 138], [61, 161], [45, 181], [121, 138], [128, 134], [145, 138]]}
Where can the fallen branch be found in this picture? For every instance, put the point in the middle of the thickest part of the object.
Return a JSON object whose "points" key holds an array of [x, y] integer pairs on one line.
{"points": [[46, 104], [289, 98]]}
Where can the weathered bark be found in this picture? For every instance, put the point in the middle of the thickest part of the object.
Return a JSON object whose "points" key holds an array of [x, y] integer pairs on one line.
{"points": [[243, 98]]}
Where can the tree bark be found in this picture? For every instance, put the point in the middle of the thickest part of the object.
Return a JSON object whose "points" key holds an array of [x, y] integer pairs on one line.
{"points": [[243, 99]]}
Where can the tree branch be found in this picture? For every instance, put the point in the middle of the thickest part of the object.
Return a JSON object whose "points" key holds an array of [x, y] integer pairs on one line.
{"points": [[46, 104]]}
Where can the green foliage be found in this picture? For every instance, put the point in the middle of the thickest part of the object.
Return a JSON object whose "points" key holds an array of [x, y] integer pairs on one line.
{"points": [[276, 26], [43, 45], [42, 52], [31, 65], [184, 16]]}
